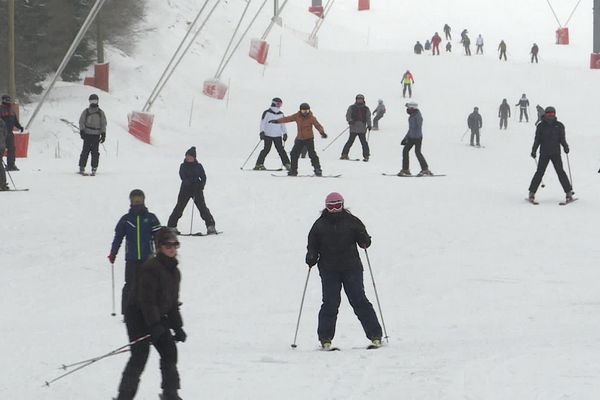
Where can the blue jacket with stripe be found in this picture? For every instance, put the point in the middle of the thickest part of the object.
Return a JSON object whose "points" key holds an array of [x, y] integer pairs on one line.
{"points": [[138, 226]]}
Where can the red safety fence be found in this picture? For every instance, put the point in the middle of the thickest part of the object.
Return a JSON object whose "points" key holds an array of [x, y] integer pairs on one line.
{"points": [[259, 49], [140, 125], [214, 88]]}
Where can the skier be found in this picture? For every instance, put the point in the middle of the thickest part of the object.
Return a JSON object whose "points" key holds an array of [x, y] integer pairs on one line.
{"points": [[540, 114], [153, 309], [467, 44], [138, 227], [523, 104], [407, 81], [463, 35], [358, 117], [502, 50], [447, 30], [504, 113], [272, 134], [534, 53], [193, 180], [378, 112], [549, 136], [479, 44], [332, 244], [427, 45], [3, 134], [448, 47], [10, 120], [435, 42], [414, 137], [92, 129], [305, 120], [418, 48], [475, 123]]}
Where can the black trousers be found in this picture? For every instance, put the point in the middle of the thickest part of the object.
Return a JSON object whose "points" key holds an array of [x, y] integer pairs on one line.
{"points": [[479, 49], [376, 120], [91, 144], [363, 141], [468, 50], [166, 347], [502, 54], [11, 151], [541, 169], [185, 194], [278, 142], [352, 281], [312, 154], [523, 111], [409, 87], [534, 57], [448, 35], [131, 267], [406, 157], [475, 135], [503, 122]]}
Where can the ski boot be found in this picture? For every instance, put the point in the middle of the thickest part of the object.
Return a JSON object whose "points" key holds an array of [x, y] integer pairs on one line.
{"points": [[376, 342], [4, 188], [93, 172], [81, 170], [531, 196], [292, 173], [287, 166], [211, 230], [569, 197], [425, 172], [259, 167], [326, 344], [318, 172], [170, 394], [404, 172], [344, 157], [366, 159], [12, 168]]}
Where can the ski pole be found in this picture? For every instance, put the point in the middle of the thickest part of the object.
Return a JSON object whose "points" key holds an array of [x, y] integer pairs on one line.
{"points": [[536, 165], [335, 138], [253, 150], [93, 360], [9, 175], [294, 345], [112, 274], [192, 219], [463, 136], [66, 366], [376, 296], [569, 166]]}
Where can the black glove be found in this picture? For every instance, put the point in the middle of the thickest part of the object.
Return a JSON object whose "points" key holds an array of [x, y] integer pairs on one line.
{"points": [[262, 135], [533, 155], [180, 335], [102, 137], [273, 121], [567, 150], [82, 133], [21, 129], [369, 128], [310, 261], [156, 332], [285, 137], [403, 142], [324, 135]]}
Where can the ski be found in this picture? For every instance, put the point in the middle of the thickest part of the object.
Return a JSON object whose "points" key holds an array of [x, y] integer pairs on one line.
{"points": [[85, 174], [373, 347], [532, 201], [330, 349], [259, 170], [412, 176], [476, 147], [15, 190], [306, 176], [351, 159], [200, 234], [564, 203]]}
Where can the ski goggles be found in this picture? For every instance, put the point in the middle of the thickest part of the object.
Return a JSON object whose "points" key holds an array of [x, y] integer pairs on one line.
{"points": [[170, 245], [335, 207]]}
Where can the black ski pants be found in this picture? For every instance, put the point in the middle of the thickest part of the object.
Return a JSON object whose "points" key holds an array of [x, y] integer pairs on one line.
{"points": [[11, 151], [185, 194], [166, 347], [312, 154], [468, 50], [376, 120], [475, 136], [523, 111], [479, 49], [131, 267], [278, 142], [352, 281], [558, 167], [409, 87], [503, 121], [448, 35], [406, 157], [91, 145], [534, 57], [363, 141], [502, 54]]}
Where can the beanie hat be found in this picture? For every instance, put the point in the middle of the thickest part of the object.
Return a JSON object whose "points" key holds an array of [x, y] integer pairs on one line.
{"points": [[476, 109], [304, 106], [360, 96], [136, 197], [93, 97], [165, 235], [550, 109], [334, 202], [191, 152]]}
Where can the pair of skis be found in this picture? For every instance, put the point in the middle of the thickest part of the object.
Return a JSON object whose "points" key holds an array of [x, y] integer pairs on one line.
{"points": [[335, 348], [562, 203], [201, 234]]}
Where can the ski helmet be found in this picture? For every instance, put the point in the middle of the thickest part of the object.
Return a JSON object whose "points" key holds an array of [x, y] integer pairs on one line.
{"points": [[166, 235], [93, 97], [136, 197], [304, 106], [334, 202]]}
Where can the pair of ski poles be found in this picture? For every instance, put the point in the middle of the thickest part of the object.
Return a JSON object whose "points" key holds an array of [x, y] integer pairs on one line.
{"points": [[294, 345], [568, 168]]}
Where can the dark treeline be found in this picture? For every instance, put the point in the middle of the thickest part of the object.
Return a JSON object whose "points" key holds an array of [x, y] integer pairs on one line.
{"points": [[44, 30]]}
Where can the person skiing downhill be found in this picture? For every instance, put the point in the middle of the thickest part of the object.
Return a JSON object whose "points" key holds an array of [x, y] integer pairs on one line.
{"points": [[3, 134], [305, 121], [447, 31], [479, 44], [92, 129], [10, 120], [467, 45], [193, 180], [272, 134], [540, 114], [414, 137], [475, 123], [331, 245], [378, 113], [358, 117], [407, 82], [502, 50], [534, 53], [427, 45], [138, 227], [523, 104], [153, 309], [418, 48], [549, 137], [435, 44], [504, 113]]}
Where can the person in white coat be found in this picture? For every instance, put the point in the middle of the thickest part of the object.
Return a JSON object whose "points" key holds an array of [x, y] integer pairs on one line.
{"points": [[272, 134], [479, 44]]}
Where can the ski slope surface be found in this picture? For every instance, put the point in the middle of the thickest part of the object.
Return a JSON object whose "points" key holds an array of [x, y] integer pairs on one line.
{"points": [[484, 296]]}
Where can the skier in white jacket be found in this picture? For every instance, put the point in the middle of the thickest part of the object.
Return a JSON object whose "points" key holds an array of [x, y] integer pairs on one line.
{"points": [[479, 44], [272, 134]]}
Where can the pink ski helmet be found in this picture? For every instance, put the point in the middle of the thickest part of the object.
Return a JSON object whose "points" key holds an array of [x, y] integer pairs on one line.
{"points": [[334, 202]]}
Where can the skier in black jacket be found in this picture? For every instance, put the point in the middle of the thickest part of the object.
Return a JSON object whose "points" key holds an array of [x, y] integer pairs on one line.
{"points": [[332, 244], [549, 137], [358, 117], [504, 113], [523, 104], [193, 180], [11, 121], [475, 123]]}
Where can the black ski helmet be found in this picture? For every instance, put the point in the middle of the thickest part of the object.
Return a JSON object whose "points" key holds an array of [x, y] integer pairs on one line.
{"points": [[166, 235], [304, 106], [93, 97]]}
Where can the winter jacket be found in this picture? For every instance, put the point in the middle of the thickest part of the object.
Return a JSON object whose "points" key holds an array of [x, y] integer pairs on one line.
{"points": [[3, 133], [379, 110], [540, 113], [415, 126], [138, 227], [447, 28], [418, 48], [549, 136], [304, 124], [502, 46], [9, 117], [92, 121], [332, 242], [192, 175], [156, 291], [466, 41], [407, 78], [522, 103], [272, 130], [359, 118], [474, 121], [504, 110], [427, 45], [436, 40], [535, 49], [479, 41]]}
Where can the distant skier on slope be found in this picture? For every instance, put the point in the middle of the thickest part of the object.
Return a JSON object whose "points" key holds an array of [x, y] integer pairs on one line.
{"points": [[448, 47], [447, 31], [523, 104], [540, 114], [11, 121], [92, 129], [418, 48], [475, 123], [467, 45], [534, 53], [332, 244], [502, 50], [3, 135], [414, 137], [479, 44], [407, 82], [272, 134], [427, 45], [549, 137], [504, 113], [435, 43], [358, 117], [379, 113]]}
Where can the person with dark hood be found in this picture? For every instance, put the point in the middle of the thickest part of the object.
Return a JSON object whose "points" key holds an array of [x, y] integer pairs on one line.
{"points": [[418, 48], [153, 310], [407, 82], [549, 137], [92, 129], [448, 47], [435, 44], [504, 113], [358, 117], [427, 45], [305, 121], [467, 45], [379, 112], [138, 227], [502, 50], [463, 35], [534, 53], [273, 135], [10, 121], [193, 180], [475, 123], [3, 134], [523, 104], [332, 242], [447, 31], [540, 114], [413, 138]]}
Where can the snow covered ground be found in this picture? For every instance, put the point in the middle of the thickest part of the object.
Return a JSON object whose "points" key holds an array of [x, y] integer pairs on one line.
{"points": [[484, 296]]}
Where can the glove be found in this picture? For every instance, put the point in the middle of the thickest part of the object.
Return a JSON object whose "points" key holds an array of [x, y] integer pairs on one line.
{"points": [[369, 128], [273, 121], [373, 113], [533, 155], [156, 332], [111, 257], [285, 137], [262, 135], [82, 133], [567, 150], [180, 335], [403, 142], [21, 129], [324, 135], [102, 137], [310, 260]]}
